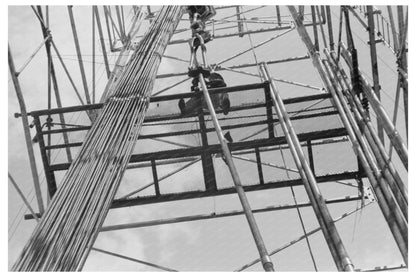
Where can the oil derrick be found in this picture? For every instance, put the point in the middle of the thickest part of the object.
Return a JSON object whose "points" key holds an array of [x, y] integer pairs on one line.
{"points": [[236, 123]]}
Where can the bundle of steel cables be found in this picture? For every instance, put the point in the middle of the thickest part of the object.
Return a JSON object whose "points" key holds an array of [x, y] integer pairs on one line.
{"points": [[64, 236]]}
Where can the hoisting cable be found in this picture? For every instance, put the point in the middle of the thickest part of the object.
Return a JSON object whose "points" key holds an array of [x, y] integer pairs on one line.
{"points": [[199, 72]]}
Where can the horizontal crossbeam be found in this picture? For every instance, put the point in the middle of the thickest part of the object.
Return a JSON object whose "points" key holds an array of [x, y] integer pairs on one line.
{"points": [[120, 203], [197, 131], [129, 202], [216, 148]]}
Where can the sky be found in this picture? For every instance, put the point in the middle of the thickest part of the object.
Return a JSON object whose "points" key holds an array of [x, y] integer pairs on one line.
{"points": [[211, 245]]}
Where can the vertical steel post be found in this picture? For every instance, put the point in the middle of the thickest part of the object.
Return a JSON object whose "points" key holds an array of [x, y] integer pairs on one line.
{"points": [[45, 33], [388, 33], [100, 33], [279, 19], [240, 26], [321, 22], [321, 15], [49, 106], [315, 29], [50, 178], [374, 66], [301, 12], [26, 131], [396, 109], [330, 31], [49, 94], [107, 11], [93, 56], [155, 178], [310, 156], [259, 166], [265, 258], [340, 32], [269, 111], [393, 29], [150, 14], [122, 19], [402, 61], [206, 158], [107, 24], [78, 50], [120, 24]]}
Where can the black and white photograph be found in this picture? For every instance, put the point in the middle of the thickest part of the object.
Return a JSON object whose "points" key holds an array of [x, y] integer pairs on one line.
{"points": [[230, 137]]}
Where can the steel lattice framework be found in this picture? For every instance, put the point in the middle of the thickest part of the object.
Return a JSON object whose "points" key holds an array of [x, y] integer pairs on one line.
{"points": [[345, 107]]}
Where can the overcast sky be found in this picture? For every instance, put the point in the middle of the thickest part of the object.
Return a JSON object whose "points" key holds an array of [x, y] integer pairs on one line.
{"points": [[218, 244]]}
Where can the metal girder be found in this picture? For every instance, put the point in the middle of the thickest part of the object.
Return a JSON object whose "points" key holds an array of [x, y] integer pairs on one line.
{"points": [[49, 175], [176, 116], [374, 65], [120, 203], [206, 159], [270, 121], [145, 200], [177, 96], [243, 152], [233, 89], [193, 152], [215, 148]]}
